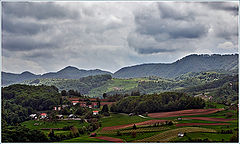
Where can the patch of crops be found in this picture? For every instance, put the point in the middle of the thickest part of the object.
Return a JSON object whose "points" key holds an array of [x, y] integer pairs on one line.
{"points": [[170, 134]]}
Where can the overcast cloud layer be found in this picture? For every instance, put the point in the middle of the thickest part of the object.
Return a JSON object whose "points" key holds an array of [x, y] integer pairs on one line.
{"points": [[45, 36]]}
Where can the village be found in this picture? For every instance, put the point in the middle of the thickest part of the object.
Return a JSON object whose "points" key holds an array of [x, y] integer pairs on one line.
{"points": [[93, 104]]}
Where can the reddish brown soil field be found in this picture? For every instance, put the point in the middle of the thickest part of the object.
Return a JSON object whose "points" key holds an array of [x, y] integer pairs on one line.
{"points": [[184, 113], [211, 119], [107, 103], [193, 124], [109, 139], [149, 122]]}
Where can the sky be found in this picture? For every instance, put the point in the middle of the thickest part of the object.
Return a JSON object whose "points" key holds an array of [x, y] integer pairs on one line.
{"points": [[45, 37]]}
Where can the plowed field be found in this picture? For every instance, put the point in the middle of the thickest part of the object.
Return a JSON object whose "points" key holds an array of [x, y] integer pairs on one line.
{"points": [[184, 113], [149, 122]]}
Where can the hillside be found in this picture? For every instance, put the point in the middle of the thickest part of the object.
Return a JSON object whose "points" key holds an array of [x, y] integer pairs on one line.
{"points": [[191, 63], [95, 86]]}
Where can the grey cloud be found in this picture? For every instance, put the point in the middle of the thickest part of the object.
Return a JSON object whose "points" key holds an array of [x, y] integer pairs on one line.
{"points": [[37, 10], [47, 36], [42, 54], [152, 50], [25, 43], [170, 12], [22, 27], [225, 6], [173, 28]]}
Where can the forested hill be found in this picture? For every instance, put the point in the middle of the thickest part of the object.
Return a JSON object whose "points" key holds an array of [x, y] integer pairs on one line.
{"points": [[191, 63], [66, 73]]}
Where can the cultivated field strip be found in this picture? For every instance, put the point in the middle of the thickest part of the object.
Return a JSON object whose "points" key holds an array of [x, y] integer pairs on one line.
{"points": [[144, 129], [170, 134], [211, 119], [184, 113], [149, 122]]}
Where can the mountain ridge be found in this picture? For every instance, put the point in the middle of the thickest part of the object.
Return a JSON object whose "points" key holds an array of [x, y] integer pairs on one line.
{"points": [[190, 63]]}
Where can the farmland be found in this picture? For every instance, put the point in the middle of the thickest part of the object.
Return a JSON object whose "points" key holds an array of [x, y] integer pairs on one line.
{"points": [[119, 117]]}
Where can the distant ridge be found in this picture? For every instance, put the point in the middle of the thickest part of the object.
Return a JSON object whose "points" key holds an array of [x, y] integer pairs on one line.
{"points": [[68, 72], [190, 63]]}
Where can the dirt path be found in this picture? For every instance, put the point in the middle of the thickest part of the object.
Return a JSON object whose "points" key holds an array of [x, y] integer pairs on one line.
{"points": [[184, 113], [111, 139]]}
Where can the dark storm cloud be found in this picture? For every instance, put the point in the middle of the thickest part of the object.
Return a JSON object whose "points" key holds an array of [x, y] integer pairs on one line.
{"points": [[24, 44], [173, 28], [225, 6], [166, 27], [22, 27], [37, 10]]}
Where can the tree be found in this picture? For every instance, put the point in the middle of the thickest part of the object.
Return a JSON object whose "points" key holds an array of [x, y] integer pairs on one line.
{"points": [[104, 95], [64, 93], [105, 108], [134, 126]]}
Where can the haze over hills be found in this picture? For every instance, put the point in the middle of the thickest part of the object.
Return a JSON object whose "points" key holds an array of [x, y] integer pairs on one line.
{"points": [[191, 63]]}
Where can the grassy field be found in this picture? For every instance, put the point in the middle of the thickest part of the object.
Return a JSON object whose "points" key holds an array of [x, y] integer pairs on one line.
{"points": [[115, 85], [58, 124], [214, 137], [85, 139], [121, 119]]}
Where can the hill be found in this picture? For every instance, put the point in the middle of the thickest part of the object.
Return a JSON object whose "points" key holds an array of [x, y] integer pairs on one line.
{"points": [[66, 73], [191, 63]]}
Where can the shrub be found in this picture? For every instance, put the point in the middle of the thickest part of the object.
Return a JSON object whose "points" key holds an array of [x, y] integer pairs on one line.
{"points": [[133, 134], [119, 133], [134, 126]]}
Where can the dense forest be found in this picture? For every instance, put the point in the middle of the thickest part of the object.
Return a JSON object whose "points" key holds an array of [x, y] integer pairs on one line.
{"points": [[168, 101], [19, 101]]}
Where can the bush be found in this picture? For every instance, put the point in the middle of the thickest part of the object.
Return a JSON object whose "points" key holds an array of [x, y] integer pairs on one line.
{"points": [[133, 134], [134, 126], [119, 133]]}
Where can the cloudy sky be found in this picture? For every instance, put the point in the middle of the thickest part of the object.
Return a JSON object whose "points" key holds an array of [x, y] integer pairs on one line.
{"points": [[45, 36]]}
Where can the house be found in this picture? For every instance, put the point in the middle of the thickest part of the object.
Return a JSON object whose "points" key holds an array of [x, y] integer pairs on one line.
{"points": [[95, 112], [90, 106], [131, 114], [43, 115], [33, 116], [59, 116], [180, 134], [83, 104], [75, 102], [71, 116], [94, 104], [57, 108]]}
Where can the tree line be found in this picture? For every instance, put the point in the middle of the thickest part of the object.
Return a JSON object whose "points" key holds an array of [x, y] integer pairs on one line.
{"points": [[167, 101]]}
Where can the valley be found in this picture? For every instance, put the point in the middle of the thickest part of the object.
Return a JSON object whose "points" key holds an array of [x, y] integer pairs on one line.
{"points": [[194, 106]]}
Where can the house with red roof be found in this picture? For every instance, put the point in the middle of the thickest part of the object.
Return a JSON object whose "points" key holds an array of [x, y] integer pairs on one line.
{"points": [[43, 115]]}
